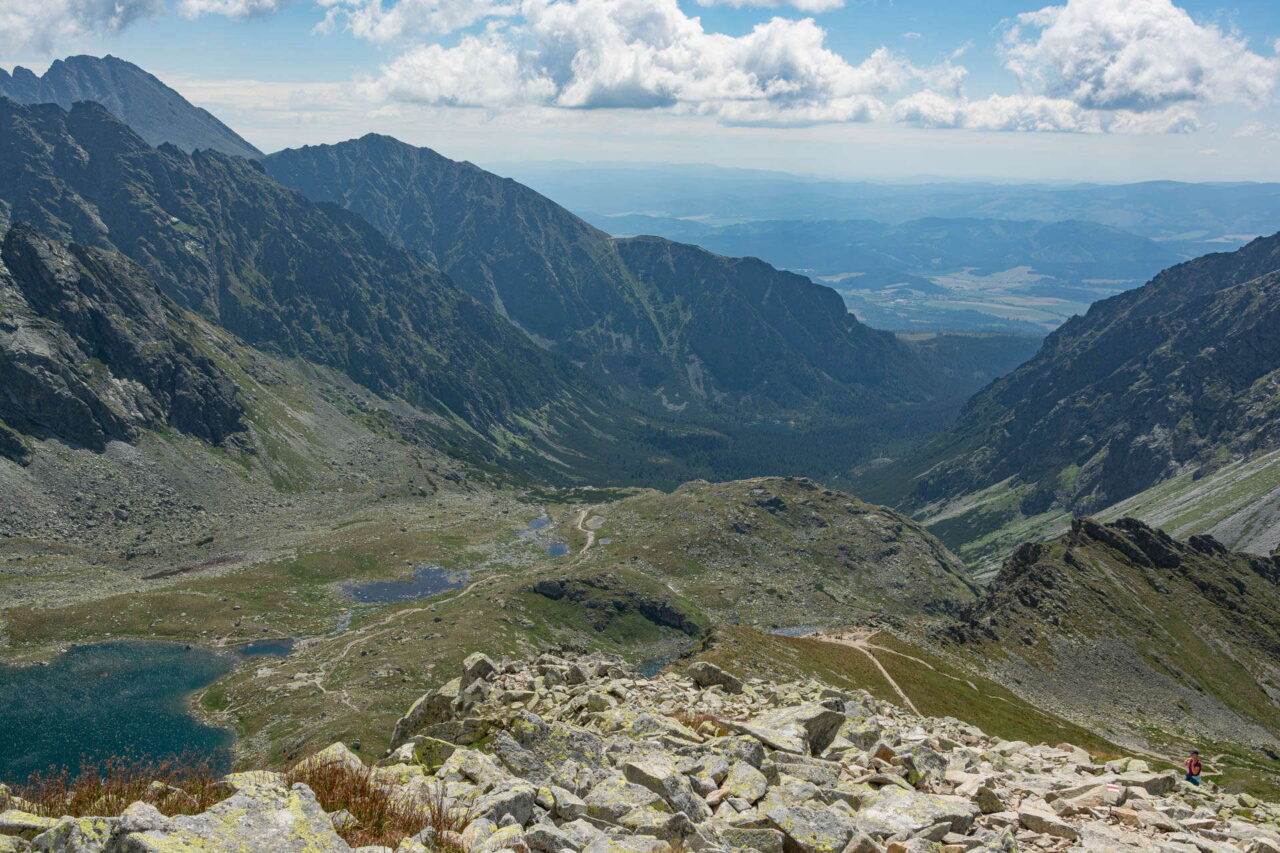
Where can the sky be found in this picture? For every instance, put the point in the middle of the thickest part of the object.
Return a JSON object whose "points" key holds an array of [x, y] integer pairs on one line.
{"points": [[1102, 90]]}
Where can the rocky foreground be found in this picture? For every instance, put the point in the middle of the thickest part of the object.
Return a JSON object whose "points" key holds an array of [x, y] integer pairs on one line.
{"points": [[581, 754]]}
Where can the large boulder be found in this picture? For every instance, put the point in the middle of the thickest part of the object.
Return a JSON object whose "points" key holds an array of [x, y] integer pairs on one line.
{"points": [[662, 778], [810, 829], [805, 730], [260, 819], [705, 674], [895, 811], [437, 706]]}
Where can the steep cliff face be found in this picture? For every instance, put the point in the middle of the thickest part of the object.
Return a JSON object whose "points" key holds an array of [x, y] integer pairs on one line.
{"points": [[671, 325], [90, 351], [1121, 622], [157, 113]]}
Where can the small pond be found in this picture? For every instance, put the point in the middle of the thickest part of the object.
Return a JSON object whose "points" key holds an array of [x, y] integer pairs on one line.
{"points": [[122, 698], [534, 532], [280, 647], [427, 581]]}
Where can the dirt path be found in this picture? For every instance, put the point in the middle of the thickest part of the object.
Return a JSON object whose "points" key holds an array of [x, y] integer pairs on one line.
{"points": [[587, 524], [858, 640]]}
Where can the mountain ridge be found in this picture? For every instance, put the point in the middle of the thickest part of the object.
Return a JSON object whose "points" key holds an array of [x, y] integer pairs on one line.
{"points": [[156, 112], [572, 287]]}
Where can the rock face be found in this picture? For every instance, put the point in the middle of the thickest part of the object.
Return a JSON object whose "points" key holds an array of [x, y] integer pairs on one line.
{"points": [[672, 325], [581, 754], [90, 351], [156, 112], [1122, 617]]}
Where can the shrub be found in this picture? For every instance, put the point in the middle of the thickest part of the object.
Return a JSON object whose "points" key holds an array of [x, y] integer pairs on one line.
{"points": [[181, 785], [382, 815]]}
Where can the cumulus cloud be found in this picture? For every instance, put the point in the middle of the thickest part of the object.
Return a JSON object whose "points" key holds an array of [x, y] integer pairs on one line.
{"points": [[1137, 56], [370, 19], [811, 6], [230, 8], [641, 54], [40, 24]]}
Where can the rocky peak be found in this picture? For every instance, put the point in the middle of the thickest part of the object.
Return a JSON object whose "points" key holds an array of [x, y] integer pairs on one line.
{"points": [[155, 112]]}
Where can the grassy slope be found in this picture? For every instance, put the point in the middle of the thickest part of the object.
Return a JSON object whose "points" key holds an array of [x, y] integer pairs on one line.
{"points": [[938, 688]]}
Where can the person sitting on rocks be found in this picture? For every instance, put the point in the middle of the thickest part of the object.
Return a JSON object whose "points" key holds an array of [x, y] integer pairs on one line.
{"points": [[1194, 766]]}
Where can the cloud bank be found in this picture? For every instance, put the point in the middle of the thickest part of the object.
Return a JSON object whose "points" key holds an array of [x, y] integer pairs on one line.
{"points": [[1085, 66]]}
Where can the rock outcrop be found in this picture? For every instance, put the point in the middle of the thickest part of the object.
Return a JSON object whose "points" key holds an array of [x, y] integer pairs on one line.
{"points": [[1125, 622], [581, 754], [90, 351]]}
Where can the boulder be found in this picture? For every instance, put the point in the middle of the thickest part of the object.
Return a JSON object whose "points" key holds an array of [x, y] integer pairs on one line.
{"points": [[705, 674], [77, 835], [261, 819], [662, 778], [515, 801], [897, 811], [745, 781], [477, 666], [804, 730], [812, 829], [1045, 823], [434, 707], [335, 755]]}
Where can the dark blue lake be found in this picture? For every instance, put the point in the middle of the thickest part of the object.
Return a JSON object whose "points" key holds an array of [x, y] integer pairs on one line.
{"points": [[426, 582], [125, 698]]}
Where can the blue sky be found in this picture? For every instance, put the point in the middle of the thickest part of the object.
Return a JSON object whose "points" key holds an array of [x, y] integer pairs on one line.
{"points": [[1078, 89]]}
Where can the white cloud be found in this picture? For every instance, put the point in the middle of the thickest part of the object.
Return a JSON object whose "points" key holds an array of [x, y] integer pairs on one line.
{"points": [[369, 19], [1257, 130], [912, 35], [811, 6], [1035, 113], [230, 8], [1136, 55], [39, 25], [640, 54]]}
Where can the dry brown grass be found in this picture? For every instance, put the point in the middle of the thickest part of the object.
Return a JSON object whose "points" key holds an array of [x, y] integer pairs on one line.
{"points": [[382, 816], [104, 788]]}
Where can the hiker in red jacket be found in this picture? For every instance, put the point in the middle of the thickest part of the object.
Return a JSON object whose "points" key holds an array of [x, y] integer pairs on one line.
{"points": [[1194, 767]]}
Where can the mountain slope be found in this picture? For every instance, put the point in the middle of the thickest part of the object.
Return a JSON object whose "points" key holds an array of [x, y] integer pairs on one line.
{"points": [[90, 351], [1178, 376], [157, 113], [1120, 622], [676, 328], [223, 239]]}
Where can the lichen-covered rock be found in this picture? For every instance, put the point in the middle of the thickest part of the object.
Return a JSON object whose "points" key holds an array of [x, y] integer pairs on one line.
{"points": [[706, 674], [813, 830], [77, 835], [262, 819], [896, 811]]}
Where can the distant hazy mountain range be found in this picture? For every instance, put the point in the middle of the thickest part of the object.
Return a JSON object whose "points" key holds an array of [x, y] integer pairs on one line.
{"points": [[932, 274], [1169, 211], [154, 111]]}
